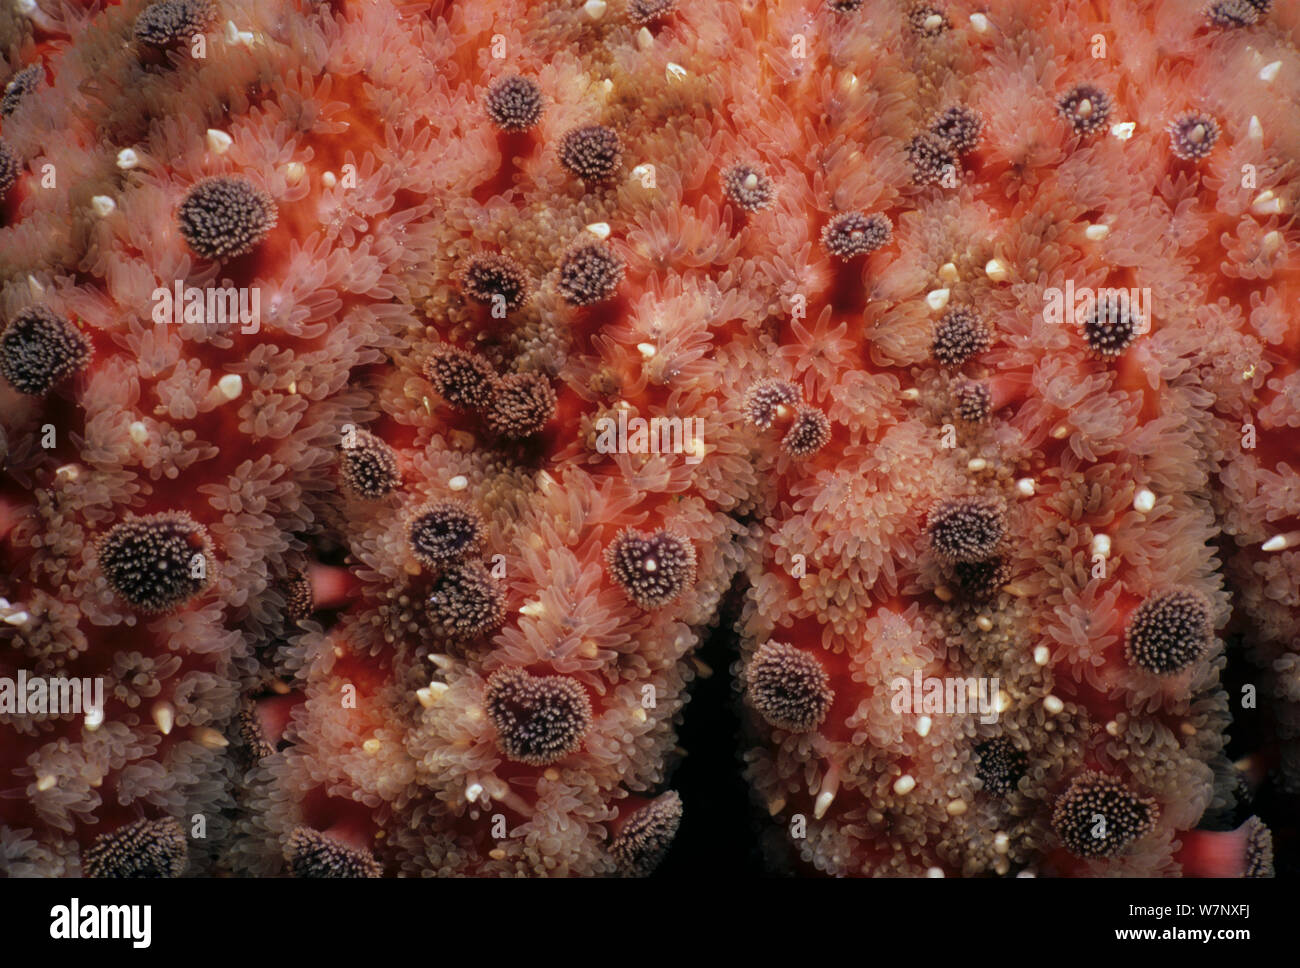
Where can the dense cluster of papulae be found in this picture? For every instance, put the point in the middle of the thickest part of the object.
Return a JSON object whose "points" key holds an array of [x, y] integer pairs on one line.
{"points": [[569, 326]]}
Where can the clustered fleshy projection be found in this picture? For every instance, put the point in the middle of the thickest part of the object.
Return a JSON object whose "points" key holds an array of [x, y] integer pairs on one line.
{"points": [[146, 848], [748, 186], [168, 22], [222, 217], [359, 579], [39, 348]]}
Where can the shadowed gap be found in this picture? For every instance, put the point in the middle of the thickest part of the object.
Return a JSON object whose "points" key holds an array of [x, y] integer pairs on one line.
{"points": [[717, 837]]}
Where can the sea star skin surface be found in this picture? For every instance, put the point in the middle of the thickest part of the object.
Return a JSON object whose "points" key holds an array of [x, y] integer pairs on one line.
{"points": [[330, 700]]}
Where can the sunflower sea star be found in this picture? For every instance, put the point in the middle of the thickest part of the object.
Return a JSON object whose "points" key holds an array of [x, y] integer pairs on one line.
{"points": [[319, 318]]}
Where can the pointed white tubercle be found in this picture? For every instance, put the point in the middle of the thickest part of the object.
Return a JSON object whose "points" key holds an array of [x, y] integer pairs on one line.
{"points": [[826, 795], [206, 736], [1096, 232], [936, 299], [595, 9], [1280, 542], [46, 783], [599, 229], [231, 386], [923, 725], [1124, 130], [824, 801], [1268, 73], [218, 141], [674, 72], [231, 32], [995, 270], [1255, 131], [644, 39], [294, 172], [163, 714], [1271, 242], [94, 719], [641, 171], [911, 393], [948, 272], [127, 159], [25, 7], [1144, 501], [103, 206], [34, 287], [1266, 203]]}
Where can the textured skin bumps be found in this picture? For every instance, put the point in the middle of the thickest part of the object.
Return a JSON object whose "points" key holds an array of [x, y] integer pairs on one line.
{"points": [[653, 211]]}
